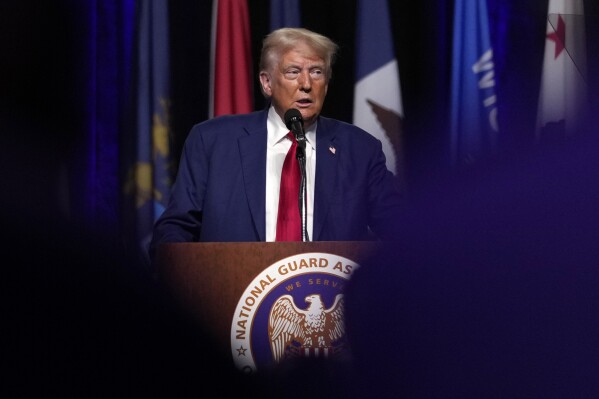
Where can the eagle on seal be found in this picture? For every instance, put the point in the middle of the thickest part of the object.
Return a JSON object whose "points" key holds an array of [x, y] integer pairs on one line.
{"points": [[314, 327]]}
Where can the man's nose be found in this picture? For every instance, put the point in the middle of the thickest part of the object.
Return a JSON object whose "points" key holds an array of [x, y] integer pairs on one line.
{"points": [[305, 81]]}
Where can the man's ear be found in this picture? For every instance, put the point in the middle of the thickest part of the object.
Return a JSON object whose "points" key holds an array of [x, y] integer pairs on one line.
{"points": [[265, 83]]}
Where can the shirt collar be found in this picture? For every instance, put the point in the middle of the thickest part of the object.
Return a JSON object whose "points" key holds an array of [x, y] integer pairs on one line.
{"points": [[277, 130]]}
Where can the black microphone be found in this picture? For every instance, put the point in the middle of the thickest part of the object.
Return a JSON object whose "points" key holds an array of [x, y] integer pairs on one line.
{"points": [[295, 123]]}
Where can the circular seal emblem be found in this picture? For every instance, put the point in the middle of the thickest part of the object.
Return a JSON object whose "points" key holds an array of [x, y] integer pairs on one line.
{"points": [[292, 308]]}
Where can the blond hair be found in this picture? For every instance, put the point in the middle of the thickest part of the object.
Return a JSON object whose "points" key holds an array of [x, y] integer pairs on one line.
{"points": [[278, 42]]}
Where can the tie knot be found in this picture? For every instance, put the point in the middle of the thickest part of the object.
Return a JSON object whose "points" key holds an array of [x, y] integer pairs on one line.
{"points": [[291, 137]]}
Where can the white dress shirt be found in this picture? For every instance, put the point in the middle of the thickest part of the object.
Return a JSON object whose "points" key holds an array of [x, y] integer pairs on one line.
{"points": [[277, 147]]}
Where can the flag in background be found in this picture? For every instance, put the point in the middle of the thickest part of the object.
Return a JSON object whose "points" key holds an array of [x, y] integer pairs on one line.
{"points": [[285, 13], [231, 63], [377, 94], [563, 93], [473, 115], [149, 178]]}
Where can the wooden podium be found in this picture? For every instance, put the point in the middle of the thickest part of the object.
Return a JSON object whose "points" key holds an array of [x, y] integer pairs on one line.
{"points": [[209, 279]]}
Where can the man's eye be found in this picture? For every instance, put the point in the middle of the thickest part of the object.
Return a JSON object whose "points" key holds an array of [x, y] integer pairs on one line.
{"points": [[291, 73]]}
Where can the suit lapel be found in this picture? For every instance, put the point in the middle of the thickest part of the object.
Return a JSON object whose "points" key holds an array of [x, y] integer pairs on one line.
{"points": [[327, 155], [252, 149]]}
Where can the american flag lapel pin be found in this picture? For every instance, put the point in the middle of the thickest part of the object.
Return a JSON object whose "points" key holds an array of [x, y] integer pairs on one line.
{"points": [[332, 149]]}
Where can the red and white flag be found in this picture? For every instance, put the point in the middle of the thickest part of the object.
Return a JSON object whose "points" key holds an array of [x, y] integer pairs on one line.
{"points": [[563, 98], [230, 59]]}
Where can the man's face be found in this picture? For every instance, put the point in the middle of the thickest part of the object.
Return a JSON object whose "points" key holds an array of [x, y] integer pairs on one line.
{"points": [[298, 81]]}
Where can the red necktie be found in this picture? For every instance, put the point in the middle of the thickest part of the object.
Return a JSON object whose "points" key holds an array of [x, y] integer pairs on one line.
{"points": [[288, 219]]}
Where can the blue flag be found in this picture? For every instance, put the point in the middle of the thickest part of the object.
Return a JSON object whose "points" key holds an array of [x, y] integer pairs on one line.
{"points": [[377, 94], [473, 101], [285, 13], [149, 179]]}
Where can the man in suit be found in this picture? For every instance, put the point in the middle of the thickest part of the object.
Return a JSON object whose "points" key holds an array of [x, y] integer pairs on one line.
{"points": [[227, 187]]}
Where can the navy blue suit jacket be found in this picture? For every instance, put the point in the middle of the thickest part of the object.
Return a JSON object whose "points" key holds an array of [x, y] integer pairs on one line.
{"points": [[220, 190]]}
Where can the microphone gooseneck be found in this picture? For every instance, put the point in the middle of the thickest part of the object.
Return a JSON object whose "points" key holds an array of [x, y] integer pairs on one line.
{"points": [[295, 123]]}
